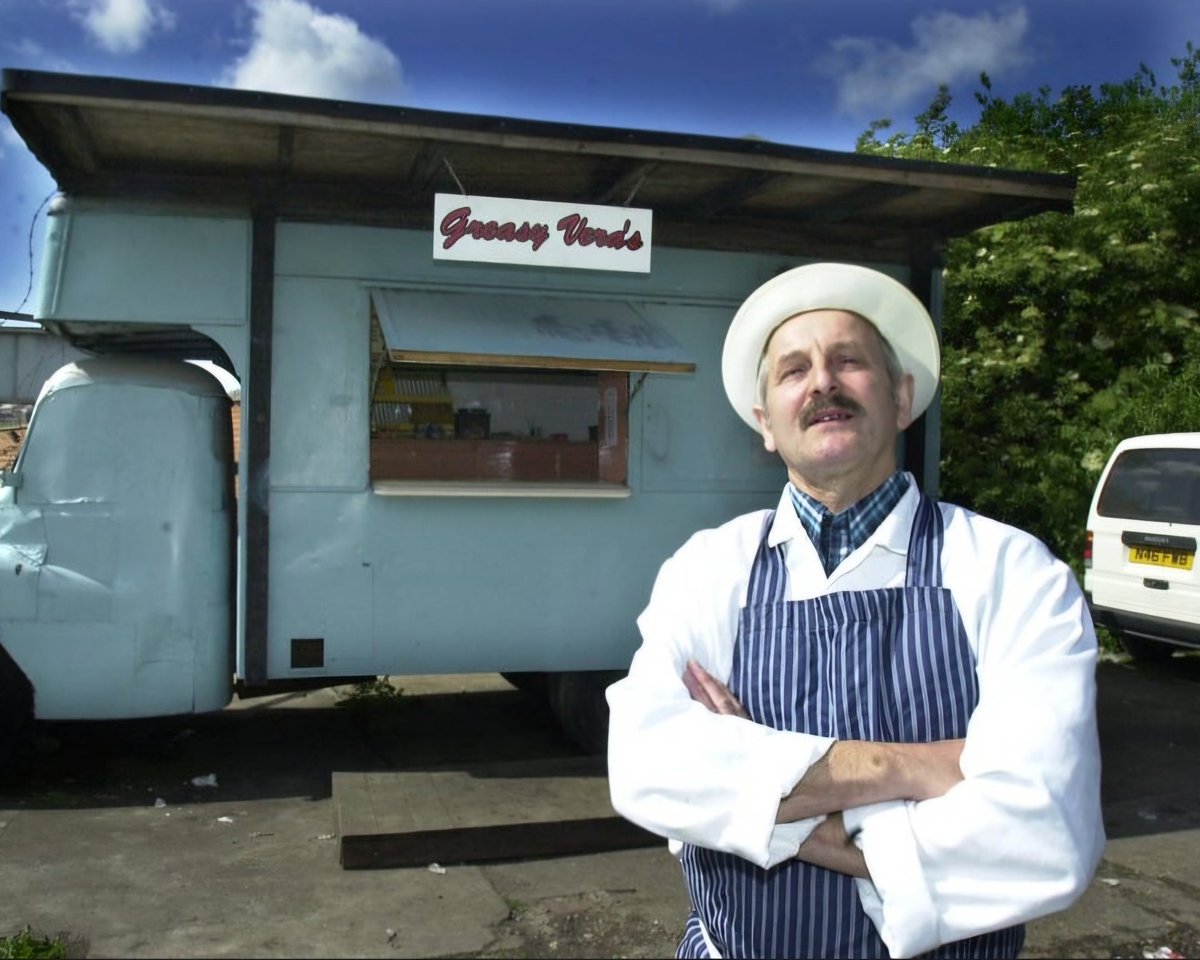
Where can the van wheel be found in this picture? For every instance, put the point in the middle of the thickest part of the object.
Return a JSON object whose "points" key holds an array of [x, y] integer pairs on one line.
{"points": [[16, 711], [578, 702], [1146, 651]]}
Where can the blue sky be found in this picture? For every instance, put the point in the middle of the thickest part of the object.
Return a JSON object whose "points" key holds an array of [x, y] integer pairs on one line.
{"points": [[806, 72]]}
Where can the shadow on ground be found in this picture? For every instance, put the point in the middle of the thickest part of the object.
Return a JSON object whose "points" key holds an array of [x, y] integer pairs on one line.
{"points": [[287, 745], [280, 746], [1149, 720]]}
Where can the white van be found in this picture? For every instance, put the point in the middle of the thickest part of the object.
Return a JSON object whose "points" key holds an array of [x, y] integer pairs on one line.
{"points": [[1140, 572]]}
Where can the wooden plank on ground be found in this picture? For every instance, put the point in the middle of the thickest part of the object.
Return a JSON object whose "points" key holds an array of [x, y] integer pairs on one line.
{"points": [[488, 812], [504, 841]]}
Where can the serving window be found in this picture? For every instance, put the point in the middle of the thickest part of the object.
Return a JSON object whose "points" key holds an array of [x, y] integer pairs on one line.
{"points": [[489, 392]]}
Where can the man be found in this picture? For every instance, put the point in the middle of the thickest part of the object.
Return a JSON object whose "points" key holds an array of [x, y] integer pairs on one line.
{"points": [[865, 720]]}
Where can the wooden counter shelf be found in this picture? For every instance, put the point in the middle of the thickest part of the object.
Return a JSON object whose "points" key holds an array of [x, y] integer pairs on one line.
{"points": [[520, 460]]}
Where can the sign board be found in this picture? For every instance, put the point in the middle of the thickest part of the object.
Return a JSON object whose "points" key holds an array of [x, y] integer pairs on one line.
{"points": [[541, 233]]}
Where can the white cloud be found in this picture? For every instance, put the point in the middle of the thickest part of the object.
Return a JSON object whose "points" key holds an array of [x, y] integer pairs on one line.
{"points": [[301, 50], [122, 26], [874, 75]]}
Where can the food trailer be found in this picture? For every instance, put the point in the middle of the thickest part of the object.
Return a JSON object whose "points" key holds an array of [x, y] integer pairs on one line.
{"points": [[480, 383]]}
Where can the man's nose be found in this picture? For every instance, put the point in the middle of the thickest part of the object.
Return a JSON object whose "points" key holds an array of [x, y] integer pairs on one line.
{"points": [[822, 377]]}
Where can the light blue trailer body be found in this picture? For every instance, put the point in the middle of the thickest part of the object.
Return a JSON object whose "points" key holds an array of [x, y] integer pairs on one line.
{"points": [[392, 584]]}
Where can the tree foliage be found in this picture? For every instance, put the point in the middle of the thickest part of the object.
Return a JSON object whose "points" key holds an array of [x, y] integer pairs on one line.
{"points": [[1065, 333]]}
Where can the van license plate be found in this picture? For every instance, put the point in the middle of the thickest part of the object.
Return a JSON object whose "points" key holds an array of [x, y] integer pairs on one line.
{"points": [[1159, 557]]}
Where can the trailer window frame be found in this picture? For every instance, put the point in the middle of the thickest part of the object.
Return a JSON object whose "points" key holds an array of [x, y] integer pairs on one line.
{"points": [[425, 345]]}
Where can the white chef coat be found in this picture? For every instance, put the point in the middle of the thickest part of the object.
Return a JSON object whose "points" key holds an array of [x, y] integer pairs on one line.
{"points": [[1019, 837]]}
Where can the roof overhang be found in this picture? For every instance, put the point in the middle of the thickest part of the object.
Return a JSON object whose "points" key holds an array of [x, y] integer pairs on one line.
{"points": [[335, 161]]}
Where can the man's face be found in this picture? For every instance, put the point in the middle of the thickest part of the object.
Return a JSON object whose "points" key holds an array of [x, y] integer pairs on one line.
{"points": [[832, 411]]}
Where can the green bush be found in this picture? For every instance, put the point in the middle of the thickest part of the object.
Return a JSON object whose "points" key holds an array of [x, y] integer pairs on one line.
{"points": [[1064, 334]]}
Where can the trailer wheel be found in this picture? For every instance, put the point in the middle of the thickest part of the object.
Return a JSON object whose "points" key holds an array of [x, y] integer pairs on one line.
{"points": [[528, 682], [16, 710], [578, 703]]}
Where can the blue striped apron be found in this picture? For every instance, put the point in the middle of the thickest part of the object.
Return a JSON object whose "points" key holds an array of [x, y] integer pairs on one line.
{"points": [[888, 665]]}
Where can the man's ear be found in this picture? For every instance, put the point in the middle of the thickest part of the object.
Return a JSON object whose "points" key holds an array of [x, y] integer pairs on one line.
{"points": [[764, 427], [904, 402]]}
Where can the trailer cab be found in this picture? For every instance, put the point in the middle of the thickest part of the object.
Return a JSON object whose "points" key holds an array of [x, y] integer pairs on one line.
{"points": [[117, 547]]}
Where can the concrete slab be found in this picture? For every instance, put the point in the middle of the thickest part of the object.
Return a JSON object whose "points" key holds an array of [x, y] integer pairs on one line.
{"points": [[227, 879], [621, 904]]}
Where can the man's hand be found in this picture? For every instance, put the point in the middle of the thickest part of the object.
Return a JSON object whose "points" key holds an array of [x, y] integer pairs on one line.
{"points": [[711, 692], [828, 846], [932, 768]]}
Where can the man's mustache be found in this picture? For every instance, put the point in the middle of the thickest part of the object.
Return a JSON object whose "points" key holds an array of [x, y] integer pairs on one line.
{"points": [[836, 402]]}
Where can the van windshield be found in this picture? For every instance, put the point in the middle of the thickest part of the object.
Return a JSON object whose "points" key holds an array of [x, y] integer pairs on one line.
{"points": [[1158, 484]]}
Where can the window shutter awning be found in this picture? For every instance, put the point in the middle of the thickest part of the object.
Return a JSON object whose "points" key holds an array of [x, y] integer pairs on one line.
{"points": [[509, 330]]}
